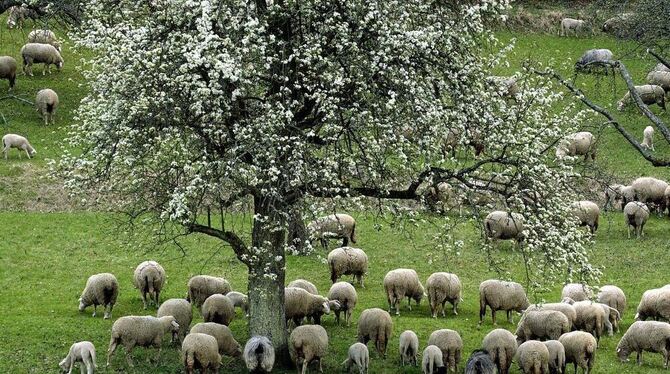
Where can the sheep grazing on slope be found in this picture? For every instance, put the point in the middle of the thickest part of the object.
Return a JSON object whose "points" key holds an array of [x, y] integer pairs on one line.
{"points": [[334, 226], [149, 278], [181, 310], [348, 261], [580, 349], [44, 37], [82, 353], [594, 58], [501, 295], [143, 331], [307, 344], [651, 191], [219, 309], [636, 215], [8, 70], [499, 225], [19, 142], [239, 300], [578, 144], [659, 78], [442, 287], [542, 325], [358, 358], [259, 355], [347, 297], [375, 324], [501, 346], [409, 347], [432, 361], [401, 283], [556, 356], [648, 336], [101, 289], [480, 363], [571, 25], [305, 285], [577, 292], [618, 25], [299, 304], [41, 54], [588, 214], [614, 297], [649, 94], [224, 337], [655, 303], [200, 287], [46, 103], [451, 345], [567, 309], [200, 351], [533, 357], [648, 138]]}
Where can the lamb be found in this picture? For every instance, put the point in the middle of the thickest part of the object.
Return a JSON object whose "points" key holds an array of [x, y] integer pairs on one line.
{"points": [[648, 336], [501, 346], [358, 357], [594, 57], [181, 310], [305, 285], [432, 361], [533, 357], [348, 261], [149, 278], [567, 309], [375, 324], [8, 70], [443, 287], [44, 37], [239, 300], [577, 292], [480, 363], [143, 331], [219, 309], [590, 318], [46, 103], [655, 303], [299, 304], [572, 25], [41, 54], [501, 295], [451, 345], [587, 212], [82, 352], [659, 78], [611, 318], [409, 347], [224, 337], [334, 226], [101, 289], [346, 296], [259, 355], [648, 138], [200, 351], [580, 349], [19, 142], [501, 225], [578, 144], [556, 356], [650, 191], [200, 287], [401, 283], [306, 344], [649, 94], [614, 297], [542, 325], [636, 215]]}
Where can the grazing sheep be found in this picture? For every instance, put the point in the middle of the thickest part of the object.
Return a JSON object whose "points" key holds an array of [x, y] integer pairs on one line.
{"points": [[224, 337], [259, 354], [46, 103], [542, 325], [451, 345], [44, 37], [572, 25], [648, 138], [401, 283], [612, 195], [306, 344], [580, 349], [617, 25], [18, 142], [625, 194], [8, 70], [143, 331], [480, 363], [239, 300], [650, 191], [82, 352], [348, 261], [358, 357], [594, 58], [611, 319], [375, 324], [409, 347], [533, 357], [567, 309], [299, 304], [149, 278], [578, 144], [347, 297], [200, 287], [101, 289], [556, 356], [590, 318], [499, 225], [647, 336], [659, 78], [219, 309], [200, 351], [661, 67], [588, 214], [655, 303], [432, 361], [501, 295], [636, 215], [577, 292], [41, 54], [650, 94], [614, 297], [501, 346], [305, 285], [443, 287], [181, 310], [334, 226]]}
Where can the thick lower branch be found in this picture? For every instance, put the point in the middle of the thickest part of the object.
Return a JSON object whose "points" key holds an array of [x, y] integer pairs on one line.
{"points": [[659, 58], [229, 237]]}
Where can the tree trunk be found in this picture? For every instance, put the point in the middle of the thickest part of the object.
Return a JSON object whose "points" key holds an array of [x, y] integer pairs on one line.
{"points": [[297, 232]]}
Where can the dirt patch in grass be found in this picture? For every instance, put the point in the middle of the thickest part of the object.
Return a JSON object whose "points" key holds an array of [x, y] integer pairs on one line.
{"points": [[26, 187]]}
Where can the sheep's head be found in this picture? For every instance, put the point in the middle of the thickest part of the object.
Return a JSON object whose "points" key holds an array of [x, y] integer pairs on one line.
{"points": [[82, 305], [622, 353], [568, 300], [56, 45], [64, 365], [419, 295], [325, 307], [620, 105], [59, 65], [334, 305], [238, 350]]}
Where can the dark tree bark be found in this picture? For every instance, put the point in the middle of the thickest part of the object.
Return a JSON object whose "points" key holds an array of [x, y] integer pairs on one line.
{"points": [[297, 231]]}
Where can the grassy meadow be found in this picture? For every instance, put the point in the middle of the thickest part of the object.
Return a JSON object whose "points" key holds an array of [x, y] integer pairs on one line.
{"points": [[46, 256]]}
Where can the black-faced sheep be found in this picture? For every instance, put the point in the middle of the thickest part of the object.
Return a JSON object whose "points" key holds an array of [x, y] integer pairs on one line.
{"points": [[200, 351], [200, 287], [375, 324], [636, 215], [580, 349], [648, 336], [149, 278], [442, 287], [347, 297], [82, 353], [480, 363], [307, 344], [501, 295], [334, 226], [101, 289], [400, 284], [348, 261], [219, 309], [143, 331], [259, 355], [501, 346], [451, 345], [533, 357]]}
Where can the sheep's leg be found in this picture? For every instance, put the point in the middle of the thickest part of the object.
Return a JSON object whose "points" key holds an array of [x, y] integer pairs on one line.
{"points": [[348, 316], [304, 367], [129, 349], [628, 231], [112, 347], [409, 303], [455, 305], [71, 366], [509, 316], [493, 316], [108, 311], [444, 313], [82, 368], [144, 299], [639, 358], [666, 354], [157, 297], [95, 309]]}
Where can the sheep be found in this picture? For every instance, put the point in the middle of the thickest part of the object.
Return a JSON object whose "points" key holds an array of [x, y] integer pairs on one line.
{"points": [[46, 103], [200, 287], [659, 78], [636, 215], [618, 192], [542, 325], [567, 309], [101, 289], [181, 310], [577, 292], [648, 138], [306, 344], [577, 144], [615, 298], [299, 304], [8, 70], [443, 287], [239, 300], [593, 58], [508, 84], [218, 308], [480, 363], [501, 346], [44, 37], [533, 357], [347, 297], [612, 195], [580, 349], [661, 67], [649, 94], [409, 347], [358, 357], [334, 226], [650, 191], [572, 25], [499, 225], [42, 54], [432, 361], [556, 356], [451, 345], [375, 324], [82, 352], [259, 354], [19, 142], [200, 351], [590, 318], [655, 303], [224, 337], [501, 295], [617, 25], [348, 261], [612, 317], [648, 336], [305, 285], [149, 278], [588, 213], [401, 283], [143, 331]]}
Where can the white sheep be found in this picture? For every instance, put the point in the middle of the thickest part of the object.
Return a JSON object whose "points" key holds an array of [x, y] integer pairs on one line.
{"points": [[636, 215], [219, 309], [533, 357], [358, 357], [41, 54], [181, 310], [542, 325], [299, 304], [659, 78], [8, 68], [401, 283], [305, 285], [149, 278], [451, 345], [612, 195], [567, 309], [655, 303], [46, 103], [432, 360], [577, 292], [580, 349], [442, 287], [224, 337], [648, 138], [101, 289], [44, 37], [651, 191], [375, 324], [649, 93], [499, 225], [569, 25], [593, 58], [143, 331], [347, 297], [82, 352], [501, 346], [588, 213], [590, 318], [19, 142], [334, 226], [200, 287], [556, 356], [200, 351], [306, 344], [578, 144], [501, 295], [348, 261], [648, 336], [259, 354], [408, 347], [239, 300], [614, 297]]}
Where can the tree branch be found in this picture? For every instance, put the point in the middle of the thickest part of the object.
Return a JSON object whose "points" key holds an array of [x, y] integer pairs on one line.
{"points": [[659, 58], [229, 237]]}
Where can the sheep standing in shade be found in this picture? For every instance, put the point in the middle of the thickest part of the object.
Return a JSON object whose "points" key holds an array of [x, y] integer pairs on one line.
{"points": [[409, 347], [580, 349], [200, 351], [648, 138], [219, 309], [41, 54], [588, 213], [533, 357], [200, 287], [659, 78], [401, 283], [181, 310], [571, 25], [636, 215], [649, 94], [443, 287], [44, 37], [501, 346], [648, 336], [101, 289], [143, 331], [149, 278], [375, 324], [348, 261], [347, 297], [307, 344], [451, 345], [82, 353], [501, 295], [19, 142], [259, 355], [594, 58], [578, 144], [334, 226], [8, 70], [358, 357], [46, 103]]}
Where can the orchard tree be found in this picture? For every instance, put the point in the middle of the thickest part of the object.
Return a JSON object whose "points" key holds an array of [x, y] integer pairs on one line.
{"points": [[64, 11], [214, 103]]}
